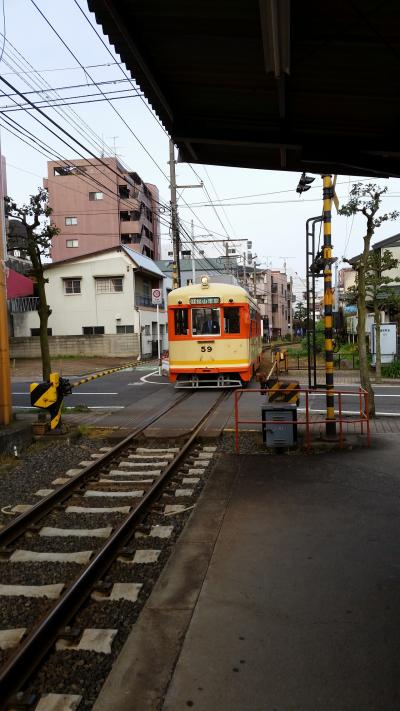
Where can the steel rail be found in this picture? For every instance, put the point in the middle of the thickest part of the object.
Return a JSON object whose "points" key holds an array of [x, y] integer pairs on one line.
{"points": [[19, 526], [21, 665]]}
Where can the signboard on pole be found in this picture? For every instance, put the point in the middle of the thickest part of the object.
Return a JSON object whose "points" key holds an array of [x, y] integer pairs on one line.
{"points": [[156, 297], [388, 342]]}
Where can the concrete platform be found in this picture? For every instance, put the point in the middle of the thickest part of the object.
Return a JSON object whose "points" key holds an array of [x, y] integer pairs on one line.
{"points": [[282, 593]]}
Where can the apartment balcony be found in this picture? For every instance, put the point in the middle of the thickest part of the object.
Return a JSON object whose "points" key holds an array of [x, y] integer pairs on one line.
{"points": [[22, 304], [146, 301]]}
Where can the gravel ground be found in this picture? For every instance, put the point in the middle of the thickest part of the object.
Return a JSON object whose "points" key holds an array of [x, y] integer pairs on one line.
{"points": [[40, 463]]}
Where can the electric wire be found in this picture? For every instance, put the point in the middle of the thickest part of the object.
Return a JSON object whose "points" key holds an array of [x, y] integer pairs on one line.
{"points": [[108, 100], [69, 115], [4, 30]]}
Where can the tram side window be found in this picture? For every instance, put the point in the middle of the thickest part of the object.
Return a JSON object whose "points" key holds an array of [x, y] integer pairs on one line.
{"points": [[231, 319], [181, 322], [205, 321]]}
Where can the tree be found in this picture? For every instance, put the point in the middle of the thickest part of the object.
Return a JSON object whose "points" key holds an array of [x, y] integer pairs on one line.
{"points": [[34, 216], [366, 200], [300, 315], [377, 295]]}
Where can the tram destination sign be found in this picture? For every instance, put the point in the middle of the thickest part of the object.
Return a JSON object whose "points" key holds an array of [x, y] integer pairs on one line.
{"points": [[205, 300]]}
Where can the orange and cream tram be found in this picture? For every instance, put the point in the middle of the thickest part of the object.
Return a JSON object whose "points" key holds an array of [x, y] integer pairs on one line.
{"points": [[214, 333]]}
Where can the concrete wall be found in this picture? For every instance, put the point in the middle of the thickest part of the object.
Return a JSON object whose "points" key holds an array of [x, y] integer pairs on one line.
{"points": [[120, 346]]}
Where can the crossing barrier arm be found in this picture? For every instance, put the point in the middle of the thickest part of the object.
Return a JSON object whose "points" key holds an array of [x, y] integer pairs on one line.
{"points": [[49, 395]]}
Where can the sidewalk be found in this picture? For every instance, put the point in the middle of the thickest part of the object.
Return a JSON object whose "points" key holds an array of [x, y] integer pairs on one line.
{"points": [[31, 368]]}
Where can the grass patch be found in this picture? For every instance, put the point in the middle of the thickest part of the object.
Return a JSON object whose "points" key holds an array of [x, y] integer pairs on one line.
{"points": [[74, 408]]}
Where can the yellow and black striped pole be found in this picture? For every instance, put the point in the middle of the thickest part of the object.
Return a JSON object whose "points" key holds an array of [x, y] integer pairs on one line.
{"points": [[328, 315]]}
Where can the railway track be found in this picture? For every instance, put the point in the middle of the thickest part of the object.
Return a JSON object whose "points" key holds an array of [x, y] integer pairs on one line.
{"points": [[132, 493]]}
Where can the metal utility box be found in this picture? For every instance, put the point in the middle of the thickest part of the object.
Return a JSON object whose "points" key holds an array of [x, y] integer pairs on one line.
{"points": [[276, 431]]}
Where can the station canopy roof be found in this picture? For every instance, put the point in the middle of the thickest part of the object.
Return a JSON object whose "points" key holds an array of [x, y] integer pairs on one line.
{"points": [[273, 84]]}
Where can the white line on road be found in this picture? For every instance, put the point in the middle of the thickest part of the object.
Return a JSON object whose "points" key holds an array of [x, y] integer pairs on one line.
{"points": [[350, 412], [76, 394], [104, 407], [344, 394], [155, 372]]}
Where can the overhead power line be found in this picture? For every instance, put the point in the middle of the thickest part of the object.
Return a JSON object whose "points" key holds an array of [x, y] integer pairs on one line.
{"points": [[68, 101], [108, 100], [65, 69]]}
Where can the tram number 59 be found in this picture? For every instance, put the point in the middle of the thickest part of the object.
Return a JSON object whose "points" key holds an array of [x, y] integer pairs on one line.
{"points": [[206, 348]]}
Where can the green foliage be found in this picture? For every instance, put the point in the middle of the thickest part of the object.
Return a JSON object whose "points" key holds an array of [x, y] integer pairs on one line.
{"points": [[319, 340], [300, 315], [367, 199], [391, 370]]}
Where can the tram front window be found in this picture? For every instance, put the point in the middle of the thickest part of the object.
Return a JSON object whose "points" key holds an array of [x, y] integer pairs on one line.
{"points": [[205, 322], [181, 322], [231, 319]]}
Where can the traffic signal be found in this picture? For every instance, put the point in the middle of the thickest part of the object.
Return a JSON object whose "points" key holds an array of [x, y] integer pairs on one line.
{"points": [[304, 183]]}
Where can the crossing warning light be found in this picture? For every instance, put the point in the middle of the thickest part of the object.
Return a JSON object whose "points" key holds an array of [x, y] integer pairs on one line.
{"points": [[304, 183]]}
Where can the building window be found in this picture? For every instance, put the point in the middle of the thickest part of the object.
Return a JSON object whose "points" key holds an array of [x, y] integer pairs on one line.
{"points": [[71, 220], [36, 331], [72, 286], [125, 329], [108, 285], [93, 330], [61, 170], [72, 243], [274, 308], [123, 191], [95, 196], [283, 309], [124, 216], [147, 330]]}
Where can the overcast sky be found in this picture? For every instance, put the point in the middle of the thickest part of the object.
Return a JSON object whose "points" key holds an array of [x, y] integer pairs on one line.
{"points": [[261, 206]]}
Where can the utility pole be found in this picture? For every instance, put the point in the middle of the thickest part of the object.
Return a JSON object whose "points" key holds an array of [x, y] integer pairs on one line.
{"points": [[176, 273], [192, 253], [328, 316], [255, 280], [5, 379], [336, 288], [244, 269]]}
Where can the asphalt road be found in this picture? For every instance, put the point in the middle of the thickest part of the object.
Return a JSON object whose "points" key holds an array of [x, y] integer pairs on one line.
{"points": [[111, 392], [118, 391]]}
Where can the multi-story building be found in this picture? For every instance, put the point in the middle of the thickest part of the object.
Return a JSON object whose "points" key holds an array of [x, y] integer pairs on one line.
{"points": [[97, 206], [274, 297]]}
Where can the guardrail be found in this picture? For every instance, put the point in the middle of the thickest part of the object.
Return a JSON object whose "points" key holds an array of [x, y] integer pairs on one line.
{"points": [[341, 361], [310, 424]]}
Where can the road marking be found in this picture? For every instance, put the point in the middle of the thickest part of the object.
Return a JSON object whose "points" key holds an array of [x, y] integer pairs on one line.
{"points": [[102, 407], [344, 394], [155, 372], [351, 412], [76, 394]]}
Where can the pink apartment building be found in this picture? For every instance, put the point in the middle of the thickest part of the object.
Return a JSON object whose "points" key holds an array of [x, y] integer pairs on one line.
{"points": [[96, 206]]}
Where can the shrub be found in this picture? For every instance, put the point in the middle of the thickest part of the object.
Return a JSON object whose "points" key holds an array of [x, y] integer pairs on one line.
{"points": [[391, 370]]}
